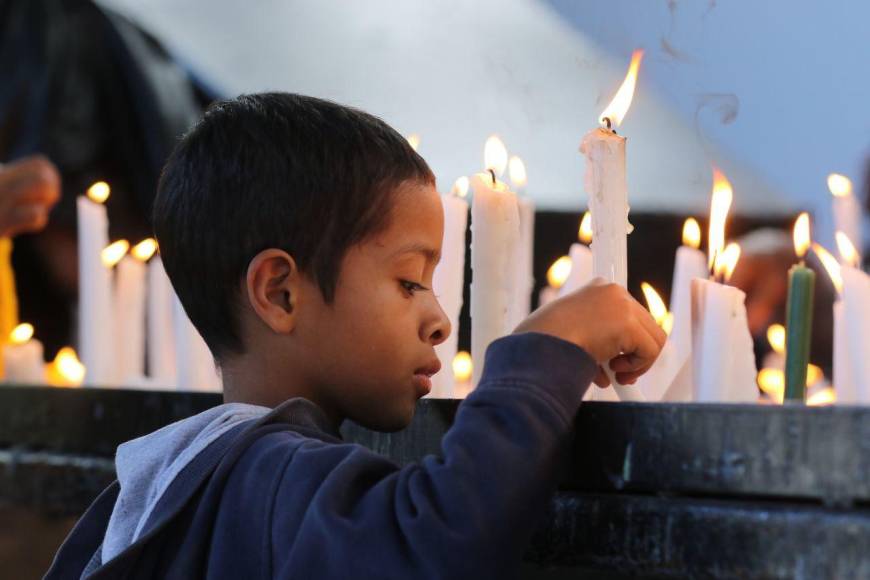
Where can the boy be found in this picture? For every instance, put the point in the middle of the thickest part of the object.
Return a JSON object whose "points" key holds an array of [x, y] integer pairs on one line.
{"points": [[301, 237]]}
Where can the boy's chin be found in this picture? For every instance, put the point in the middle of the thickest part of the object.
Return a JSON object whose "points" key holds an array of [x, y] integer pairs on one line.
{"points": [[390, 421]]}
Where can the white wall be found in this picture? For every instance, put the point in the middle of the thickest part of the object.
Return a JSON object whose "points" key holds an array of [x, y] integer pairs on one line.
{"points": [[456, 71]]}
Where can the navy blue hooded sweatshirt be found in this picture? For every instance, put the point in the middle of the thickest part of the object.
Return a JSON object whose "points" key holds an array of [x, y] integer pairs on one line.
{"points": [[282, 496]]}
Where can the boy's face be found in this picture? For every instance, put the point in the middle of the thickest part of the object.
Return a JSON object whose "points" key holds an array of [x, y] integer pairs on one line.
{"points": [[371, 352]]}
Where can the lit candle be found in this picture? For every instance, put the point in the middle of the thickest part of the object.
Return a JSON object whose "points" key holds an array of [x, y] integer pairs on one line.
{"points": [[847, 210], [851, 324], [689, 264], [557, 274], [608, 196], [96, 342], [495, 234], [65, 370], [658, 380], [799, 315], [462, 371], [22, 357], [8, 296], [161, 337], [723, 360], [448, 283], [581, 258], [130, 313], [521, 297]]}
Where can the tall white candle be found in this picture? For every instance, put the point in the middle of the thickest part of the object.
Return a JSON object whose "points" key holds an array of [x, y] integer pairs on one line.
{"points": [[161, 338], [23, 357], [448, 283], [607, 189], [851, 323], [723, 360], [847, 211], [130, 313], [196, 370], [690, 264], [495, 234], [95, 287], [521, 301], [581, 269]]}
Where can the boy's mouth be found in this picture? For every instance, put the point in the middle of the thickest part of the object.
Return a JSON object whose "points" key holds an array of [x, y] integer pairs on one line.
{"points": [[423, 376]]}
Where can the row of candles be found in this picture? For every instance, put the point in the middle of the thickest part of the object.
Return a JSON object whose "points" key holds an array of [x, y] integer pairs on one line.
{"points": [[127, 308], [708, 356]]}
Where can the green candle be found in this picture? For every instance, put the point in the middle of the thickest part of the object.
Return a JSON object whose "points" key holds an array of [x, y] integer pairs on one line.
{"points": [[799, 330], [799, 317]]}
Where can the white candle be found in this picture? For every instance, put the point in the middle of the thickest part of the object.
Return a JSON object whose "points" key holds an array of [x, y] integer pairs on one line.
{"points": [[495, 234], [854, 337], [723, 360], [196, 369], [95, 287], [690, 264], [851, 324], [23, 357], [130, 313], [847, 211], [607, 189], [581, 269], [161, 339], [448, 284], [521, 301]]}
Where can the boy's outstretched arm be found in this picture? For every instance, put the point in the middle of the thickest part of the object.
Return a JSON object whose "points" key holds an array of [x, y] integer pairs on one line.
{"points": [[342, 511]]}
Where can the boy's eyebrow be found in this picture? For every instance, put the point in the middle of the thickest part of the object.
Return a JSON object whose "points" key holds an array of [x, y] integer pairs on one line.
{"points": [[432, 255]]}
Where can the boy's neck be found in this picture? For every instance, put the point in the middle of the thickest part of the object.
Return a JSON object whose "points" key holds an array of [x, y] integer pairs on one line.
{"points": [[256, 382]]}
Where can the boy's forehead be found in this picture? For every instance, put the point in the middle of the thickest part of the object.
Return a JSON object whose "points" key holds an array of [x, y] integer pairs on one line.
{"points": [[416, 223]]}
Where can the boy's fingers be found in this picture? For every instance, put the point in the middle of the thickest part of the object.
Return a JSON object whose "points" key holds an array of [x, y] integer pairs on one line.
{"points": [[648, 322], [601, 379], [646, 348]]}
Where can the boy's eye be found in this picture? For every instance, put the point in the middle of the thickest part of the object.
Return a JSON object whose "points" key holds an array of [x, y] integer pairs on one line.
{"points": [[411, 287]]}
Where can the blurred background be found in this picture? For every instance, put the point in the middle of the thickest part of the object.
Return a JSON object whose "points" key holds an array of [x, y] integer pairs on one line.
{"points": [[774, 94]]}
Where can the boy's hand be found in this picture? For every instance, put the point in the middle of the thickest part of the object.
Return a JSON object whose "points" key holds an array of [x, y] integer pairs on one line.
{"points": [[605, 321], [29, 188]]}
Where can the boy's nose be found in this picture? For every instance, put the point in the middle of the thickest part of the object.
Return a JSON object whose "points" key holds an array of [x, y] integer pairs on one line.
{"points": [[437, 329]]}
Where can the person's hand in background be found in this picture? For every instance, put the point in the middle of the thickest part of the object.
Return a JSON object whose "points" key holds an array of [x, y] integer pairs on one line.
{"points": [[29, 188]]}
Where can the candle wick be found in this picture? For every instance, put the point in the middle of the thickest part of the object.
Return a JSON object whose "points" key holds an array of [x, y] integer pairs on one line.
{"points": [[609, 125], [492, 172]]}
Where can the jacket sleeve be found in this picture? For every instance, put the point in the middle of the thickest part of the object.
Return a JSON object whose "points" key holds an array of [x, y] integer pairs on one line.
{"points": [[341, 511]]}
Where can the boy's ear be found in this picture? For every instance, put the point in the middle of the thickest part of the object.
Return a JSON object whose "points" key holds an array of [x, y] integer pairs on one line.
{"points": [[273, 284]]}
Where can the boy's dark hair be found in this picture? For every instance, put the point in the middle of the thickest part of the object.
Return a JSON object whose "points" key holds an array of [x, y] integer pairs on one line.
{"points": [[272, 170]]}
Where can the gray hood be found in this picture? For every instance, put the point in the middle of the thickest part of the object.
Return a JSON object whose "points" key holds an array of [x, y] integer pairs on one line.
{"points": [[147, 466]]}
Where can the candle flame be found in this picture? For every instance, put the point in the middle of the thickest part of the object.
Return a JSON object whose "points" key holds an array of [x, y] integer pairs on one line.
{"points": [[113, 253], [814, 374], [517, 172], [826, 396], [802, 235], [21, 333], [831, 266], [726, 262], [657, 307], [584, 233], [66, 370], [99, 192], [414, 141], [847, 250], [772, 383], [776, 338], [462, 366], [495, 155], [692, 233], [558, 272], [720, 204], [618, 107], [840, 185], [460, 187], [144, 249]]}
